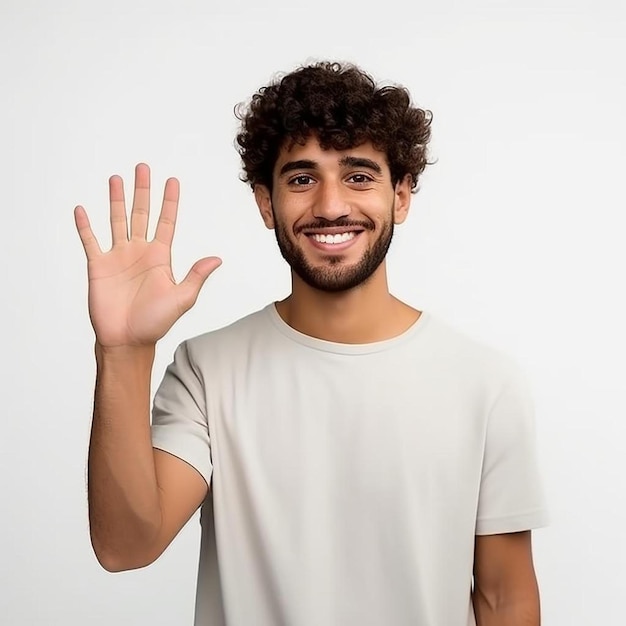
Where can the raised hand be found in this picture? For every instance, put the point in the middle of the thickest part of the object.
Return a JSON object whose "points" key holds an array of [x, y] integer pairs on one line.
{"points": [[133, 297]]}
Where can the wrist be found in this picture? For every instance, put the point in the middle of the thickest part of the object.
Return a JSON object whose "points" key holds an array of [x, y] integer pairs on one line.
{"points": [[125, 353]]}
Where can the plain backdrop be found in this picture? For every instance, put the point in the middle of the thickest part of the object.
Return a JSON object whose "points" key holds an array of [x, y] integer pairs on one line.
{"points": [[516, 237]]}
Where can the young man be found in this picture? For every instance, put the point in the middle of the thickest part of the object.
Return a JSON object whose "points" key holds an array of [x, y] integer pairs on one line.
{"points": [[358, 462]]}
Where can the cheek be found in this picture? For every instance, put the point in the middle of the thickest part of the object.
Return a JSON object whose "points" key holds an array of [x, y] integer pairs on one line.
{"points": [[385, 214], [291, 214]]}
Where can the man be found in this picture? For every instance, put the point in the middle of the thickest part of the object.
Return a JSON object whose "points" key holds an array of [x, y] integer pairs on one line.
{"points": [[358, 462]]}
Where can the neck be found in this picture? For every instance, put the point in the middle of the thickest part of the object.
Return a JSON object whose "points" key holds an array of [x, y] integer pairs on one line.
{"points": [[364, 314]]}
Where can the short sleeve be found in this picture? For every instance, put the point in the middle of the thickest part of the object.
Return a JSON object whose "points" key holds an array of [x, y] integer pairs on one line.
{"points": [[179, 419], [511, 496]]}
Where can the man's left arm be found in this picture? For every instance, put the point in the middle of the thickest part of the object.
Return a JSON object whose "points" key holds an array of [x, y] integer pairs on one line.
{"points": [[505, 589]]}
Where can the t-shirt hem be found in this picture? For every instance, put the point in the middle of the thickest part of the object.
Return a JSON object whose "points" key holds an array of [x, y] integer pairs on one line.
{"points": [[183, 451], [513, 524]]}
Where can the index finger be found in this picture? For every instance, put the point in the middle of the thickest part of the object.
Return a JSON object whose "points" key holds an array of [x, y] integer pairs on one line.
{"points": [[169, 210]]}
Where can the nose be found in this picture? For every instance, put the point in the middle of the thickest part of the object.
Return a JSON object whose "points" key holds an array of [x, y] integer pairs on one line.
{"points": [[331, 202]]}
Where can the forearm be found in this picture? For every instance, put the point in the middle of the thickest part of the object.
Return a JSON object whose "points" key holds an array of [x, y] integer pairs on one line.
{"points": [[500, 610], [124, 507]]}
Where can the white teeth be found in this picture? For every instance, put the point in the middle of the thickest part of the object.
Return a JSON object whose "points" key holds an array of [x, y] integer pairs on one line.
{"points": [[339, 238]]}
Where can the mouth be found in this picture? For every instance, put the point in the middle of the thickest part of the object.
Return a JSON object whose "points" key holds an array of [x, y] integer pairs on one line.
{"points": [[333, 239]]}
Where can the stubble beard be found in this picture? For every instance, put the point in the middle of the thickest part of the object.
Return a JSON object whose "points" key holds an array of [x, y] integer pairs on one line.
{"points": [[333, 275]]}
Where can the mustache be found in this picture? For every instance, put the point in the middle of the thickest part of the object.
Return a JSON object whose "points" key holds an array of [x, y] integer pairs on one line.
{"points": [[340, 223]]}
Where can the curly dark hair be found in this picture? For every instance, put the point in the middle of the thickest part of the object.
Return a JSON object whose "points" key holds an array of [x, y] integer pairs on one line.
{"points": [[343, 106]]}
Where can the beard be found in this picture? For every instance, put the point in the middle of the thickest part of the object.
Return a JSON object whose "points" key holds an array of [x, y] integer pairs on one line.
{"points": [[333, 275]]}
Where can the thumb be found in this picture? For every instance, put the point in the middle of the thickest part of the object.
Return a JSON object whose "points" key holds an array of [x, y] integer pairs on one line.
{"points": [[190, 286]]}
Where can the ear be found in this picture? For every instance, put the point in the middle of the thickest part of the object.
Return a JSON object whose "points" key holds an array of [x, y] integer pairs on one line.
{"points": [[402, 198], [263, 199]]}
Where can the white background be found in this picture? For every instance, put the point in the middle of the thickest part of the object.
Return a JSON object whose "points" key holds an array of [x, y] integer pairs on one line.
{"points": [[516, 237]]}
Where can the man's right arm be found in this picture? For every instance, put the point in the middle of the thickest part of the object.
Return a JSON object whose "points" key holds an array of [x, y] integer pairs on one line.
{"points": [[139, 497]]}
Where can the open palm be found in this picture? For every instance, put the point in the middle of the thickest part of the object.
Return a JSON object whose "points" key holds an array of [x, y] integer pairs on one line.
{"points": [[133, 297]]}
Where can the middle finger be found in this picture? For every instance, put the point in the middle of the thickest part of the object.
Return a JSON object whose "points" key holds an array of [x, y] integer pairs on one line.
{"points": [[141, 203]]}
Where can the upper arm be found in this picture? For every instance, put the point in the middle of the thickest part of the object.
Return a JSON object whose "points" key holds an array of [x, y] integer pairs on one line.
{"points": [[504, 574], [181, 446], [511, 497], [182, 489]]}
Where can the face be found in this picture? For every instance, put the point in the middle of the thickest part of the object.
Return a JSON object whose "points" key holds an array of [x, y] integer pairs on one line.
{"points": [[333, 212]]}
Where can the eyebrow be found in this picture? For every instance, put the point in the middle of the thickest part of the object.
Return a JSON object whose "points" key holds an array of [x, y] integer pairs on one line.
{"points": [[347, 161], [302, 164], [351, 161]]}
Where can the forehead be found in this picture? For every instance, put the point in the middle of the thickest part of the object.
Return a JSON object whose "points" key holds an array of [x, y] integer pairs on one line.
{"points": [[312, 151]]}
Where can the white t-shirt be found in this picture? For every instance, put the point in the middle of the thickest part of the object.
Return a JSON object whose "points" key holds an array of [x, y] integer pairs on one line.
{"points": [[347, 482]]}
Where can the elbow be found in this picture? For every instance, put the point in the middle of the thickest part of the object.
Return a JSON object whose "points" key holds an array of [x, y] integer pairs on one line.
{"points": [[129, 546], [514, 608], [111, 564], [115, 561]]}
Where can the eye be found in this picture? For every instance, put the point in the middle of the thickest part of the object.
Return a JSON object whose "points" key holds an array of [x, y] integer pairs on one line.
{"points": [[360, 179], [301, 180]]}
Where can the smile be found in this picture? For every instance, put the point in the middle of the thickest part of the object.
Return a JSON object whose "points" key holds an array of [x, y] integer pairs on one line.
{"points": [[333, 239]]}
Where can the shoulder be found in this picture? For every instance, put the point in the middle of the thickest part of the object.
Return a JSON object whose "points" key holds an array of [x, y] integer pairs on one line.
{"points": [[456, 349], [229, 338]]}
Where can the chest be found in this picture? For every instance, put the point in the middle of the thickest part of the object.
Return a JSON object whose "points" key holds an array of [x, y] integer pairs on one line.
{"points": [[365, 429]]}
